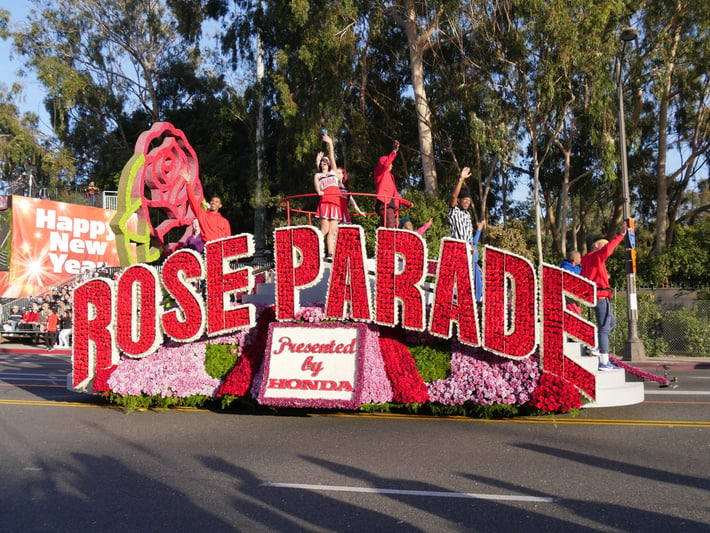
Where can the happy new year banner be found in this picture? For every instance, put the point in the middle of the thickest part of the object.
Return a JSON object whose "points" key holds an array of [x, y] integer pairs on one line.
{"points": [[53, 241]]}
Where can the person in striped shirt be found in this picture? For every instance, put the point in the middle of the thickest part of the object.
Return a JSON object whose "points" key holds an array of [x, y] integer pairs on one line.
{"points": [[458, 214]]}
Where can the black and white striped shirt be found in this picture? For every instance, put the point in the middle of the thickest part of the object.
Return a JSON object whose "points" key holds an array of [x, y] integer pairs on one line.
{"points": [[460, 223]]}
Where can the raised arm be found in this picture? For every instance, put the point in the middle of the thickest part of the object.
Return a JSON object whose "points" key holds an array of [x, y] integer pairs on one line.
{"points": [[465, 174], [479, 229], [331, 150]]}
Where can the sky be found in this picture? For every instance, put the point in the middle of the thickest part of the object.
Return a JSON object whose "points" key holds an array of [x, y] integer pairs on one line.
{"points": [[32, 94]]}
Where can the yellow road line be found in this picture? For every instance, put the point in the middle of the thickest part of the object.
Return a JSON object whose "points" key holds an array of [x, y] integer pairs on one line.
{"points": [[533, 420], [518, 420]]}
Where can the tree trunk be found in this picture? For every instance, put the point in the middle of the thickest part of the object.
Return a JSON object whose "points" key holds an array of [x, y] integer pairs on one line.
{"points": [[662, 183], [417, 46]]}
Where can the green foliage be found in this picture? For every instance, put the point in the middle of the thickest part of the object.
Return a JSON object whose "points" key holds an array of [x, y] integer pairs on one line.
{"points": [[689, 329], [220, 359], [514, 237], [651, 316], [686, 263], [433, 360], [427, 208], [689, 256], [142, 402]]}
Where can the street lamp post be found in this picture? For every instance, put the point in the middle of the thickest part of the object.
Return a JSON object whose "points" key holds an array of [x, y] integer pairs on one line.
{"points": [[633, 347]]}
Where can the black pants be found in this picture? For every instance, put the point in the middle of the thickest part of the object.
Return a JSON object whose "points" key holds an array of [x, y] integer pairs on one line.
{"points": [[50, 338]]}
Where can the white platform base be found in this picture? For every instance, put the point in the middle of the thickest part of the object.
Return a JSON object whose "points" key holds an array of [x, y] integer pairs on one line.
{"points": [[611, 386]]}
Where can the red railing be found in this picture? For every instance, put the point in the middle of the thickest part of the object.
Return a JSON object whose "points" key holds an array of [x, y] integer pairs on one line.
{"points": [[286, 203]]}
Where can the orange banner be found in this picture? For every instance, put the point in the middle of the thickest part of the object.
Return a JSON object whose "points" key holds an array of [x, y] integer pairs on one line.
{"points": [[53, 241]]}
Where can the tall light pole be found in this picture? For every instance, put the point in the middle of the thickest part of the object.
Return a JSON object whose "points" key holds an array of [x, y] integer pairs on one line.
{"points": [[259, 208], [633, 347]]}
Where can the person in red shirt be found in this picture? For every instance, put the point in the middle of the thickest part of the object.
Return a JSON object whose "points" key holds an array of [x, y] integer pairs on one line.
{"points": [[31, 316], [388, 198], [594, 269], [50, 333], [212, 224]]}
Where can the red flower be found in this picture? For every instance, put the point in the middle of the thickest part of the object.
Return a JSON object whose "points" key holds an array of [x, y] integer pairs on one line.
{"points": [[101, 380], [239, 380], [555, 395], [407, 385]]}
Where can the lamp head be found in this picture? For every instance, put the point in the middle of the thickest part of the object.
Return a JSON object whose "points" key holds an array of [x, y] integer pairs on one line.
{"points": [[629, 34]]}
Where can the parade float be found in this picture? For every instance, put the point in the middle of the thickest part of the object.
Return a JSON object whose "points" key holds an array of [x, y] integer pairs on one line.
{"points": [[357, 333]]}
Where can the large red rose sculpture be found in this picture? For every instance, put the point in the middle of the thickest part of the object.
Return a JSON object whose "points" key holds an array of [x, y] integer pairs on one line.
{"points": [[161, 155]]}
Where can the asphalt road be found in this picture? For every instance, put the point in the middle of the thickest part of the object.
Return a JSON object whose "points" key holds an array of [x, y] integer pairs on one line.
{"points": [[70, 463]]}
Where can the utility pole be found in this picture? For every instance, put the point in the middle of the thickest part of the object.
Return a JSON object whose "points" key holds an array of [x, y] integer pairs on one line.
{"points": [[633, 347]]}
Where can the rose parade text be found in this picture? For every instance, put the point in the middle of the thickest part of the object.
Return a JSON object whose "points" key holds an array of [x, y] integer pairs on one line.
{"points": [[523, 308]]}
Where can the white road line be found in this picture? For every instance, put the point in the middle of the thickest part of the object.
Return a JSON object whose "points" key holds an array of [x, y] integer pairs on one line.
{"points": [[403, 492], [33, 377]]}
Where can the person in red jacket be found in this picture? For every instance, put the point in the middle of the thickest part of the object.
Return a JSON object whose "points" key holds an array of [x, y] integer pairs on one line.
{"points": [[31, 316], [594, 269], [50, 333], [212, 224], [388, 198]]}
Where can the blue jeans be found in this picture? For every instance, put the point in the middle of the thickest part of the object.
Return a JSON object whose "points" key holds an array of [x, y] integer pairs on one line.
{"points": [[606, 321]]}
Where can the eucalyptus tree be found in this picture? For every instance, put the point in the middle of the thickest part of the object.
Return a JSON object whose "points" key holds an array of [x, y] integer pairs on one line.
{"points": [[22, 142], [543, 57], [669, 78], [420, 23], [101, 61], [473, 126]]}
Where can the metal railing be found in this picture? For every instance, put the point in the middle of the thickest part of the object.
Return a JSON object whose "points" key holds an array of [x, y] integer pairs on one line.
{"points": [[681, 330], [72, 195]]}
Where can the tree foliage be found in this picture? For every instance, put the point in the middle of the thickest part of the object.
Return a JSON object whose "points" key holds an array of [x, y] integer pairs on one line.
{"points": [[523, 92]]}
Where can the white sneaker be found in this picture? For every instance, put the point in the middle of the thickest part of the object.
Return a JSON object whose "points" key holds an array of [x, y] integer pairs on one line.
{"points": [[608, 366]]}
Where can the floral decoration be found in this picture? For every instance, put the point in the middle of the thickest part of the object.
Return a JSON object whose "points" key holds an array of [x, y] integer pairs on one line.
{"points": [[175, 370], [454, 298], [376, 386], [297, 265], [386, 370], [239, 380], [348, 280], [94, 345], [182, 273], [648, 376], [403, 250], [555, 321], [484, 378], [407, 384], [137, 328], [583, 290], [555, 395], [509, 278], [222, 282], [161, 155], [100, 384]]}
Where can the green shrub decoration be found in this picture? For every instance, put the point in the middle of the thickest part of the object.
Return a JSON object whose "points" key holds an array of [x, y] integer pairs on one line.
{"points": [[433, 360], [219, 359]]}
